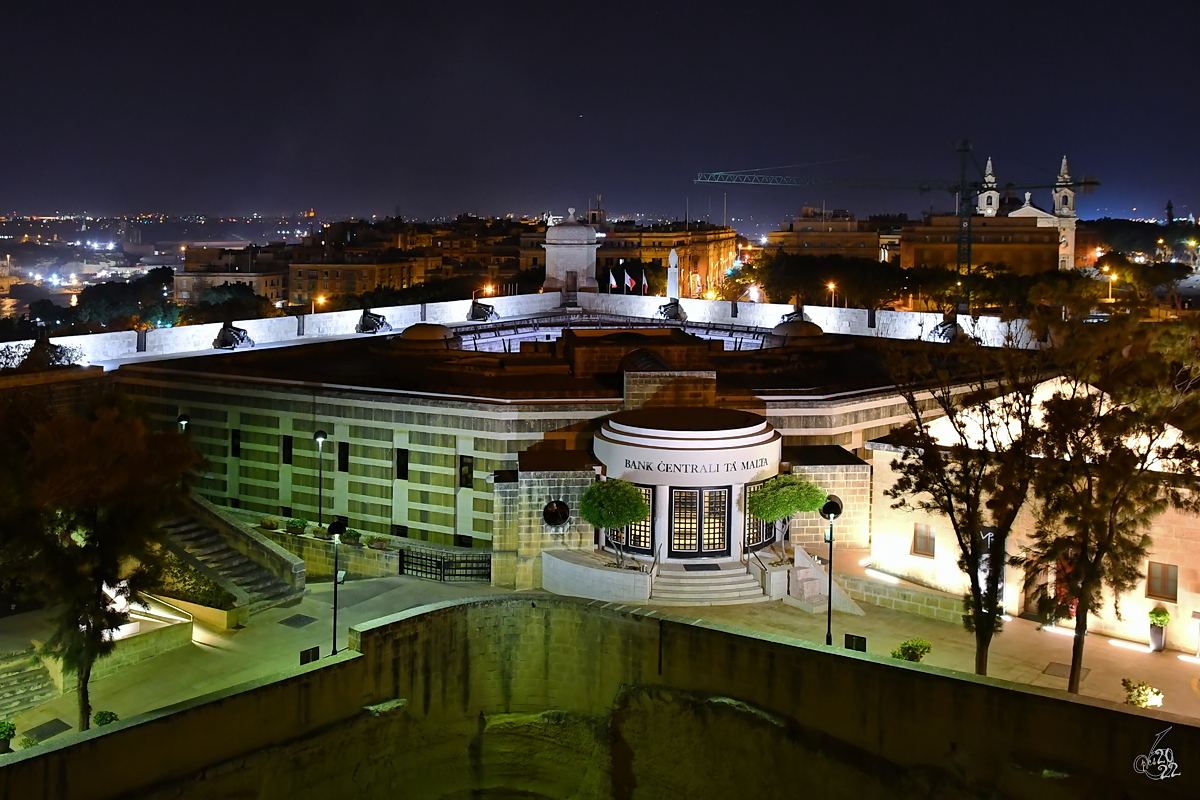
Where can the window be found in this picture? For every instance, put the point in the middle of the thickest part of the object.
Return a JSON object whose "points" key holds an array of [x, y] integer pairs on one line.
{"points": [[401, 464], [466, 472], [641, 534], [235, 443], [758, 532], [1163, 582], [287, 449], [343, 456], [923, 540]]}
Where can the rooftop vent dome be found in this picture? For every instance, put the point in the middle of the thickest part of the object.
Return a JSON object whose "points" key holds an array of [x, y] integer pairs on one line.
{"points": [[426, 332], [570, 231], [798, 328]]}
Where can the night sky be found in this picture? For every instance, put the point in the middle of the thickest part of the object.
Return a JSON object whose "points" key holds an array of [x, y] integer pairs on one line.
{"points": [[493, 108]]}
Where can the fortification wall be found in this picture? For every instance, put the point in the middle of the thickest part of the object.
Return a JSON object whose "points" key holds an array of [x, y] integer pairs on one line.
{"points": [[538, 696]]}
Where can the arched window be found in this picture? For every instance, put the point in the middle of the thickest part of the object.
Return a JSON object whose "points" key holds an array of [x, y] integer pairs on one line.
{"points": [[1066, 201], [989, 200]]}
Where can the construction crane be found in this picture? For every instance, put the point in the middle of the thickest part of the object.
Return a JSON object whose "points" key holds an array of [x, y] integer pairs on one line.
{"points": [[967, 193]]}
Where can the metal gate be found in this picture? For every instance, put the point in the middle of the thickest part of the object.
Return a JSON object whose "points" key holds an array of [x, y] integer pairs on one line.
{"points": [[445, 565]]}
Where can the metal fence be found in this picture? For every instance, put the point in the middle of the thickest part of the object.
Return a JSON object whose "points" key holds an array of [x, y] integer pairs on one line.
{"points": [[445, 565]]}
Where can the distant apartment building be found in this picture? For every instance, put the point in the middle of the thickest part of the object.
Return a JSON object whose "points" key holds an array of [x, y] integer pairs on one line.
{"points": [[355, 273], [263, 269]]}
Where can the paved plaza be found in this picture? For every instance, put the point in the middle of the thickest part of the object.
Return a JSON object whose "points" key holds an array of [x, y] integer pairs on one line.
{"points": [[273, 640]]}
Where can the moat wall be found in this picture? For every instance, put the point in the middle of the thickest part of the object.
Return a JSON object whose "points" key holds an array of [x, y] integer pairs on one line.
{"points": [[537, 696]]}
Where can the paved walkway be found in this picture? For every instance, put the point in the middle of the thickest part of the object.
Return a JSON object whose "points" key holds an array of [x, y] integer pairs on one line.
{"points": [[219, 659]]}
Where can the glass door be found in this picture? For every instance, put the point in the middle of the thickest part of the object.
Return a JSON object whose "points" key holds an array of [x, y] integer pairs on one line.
{"points": [[699, 523]]}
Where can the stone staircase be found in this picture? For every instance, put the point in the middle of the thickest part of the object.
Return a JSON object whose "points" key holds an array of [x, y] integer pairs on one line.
{"points": [[24, 683], [731, 584], [810, 589], [210, 548]]}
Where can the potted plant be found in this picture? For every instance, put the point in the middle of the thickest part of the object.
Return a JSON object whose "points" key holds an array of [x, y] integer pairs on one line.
{"points": [[7, 732], [269, 524], [912, 650], [1141, 694], [297, 525], [1159, 619], [352, 537], [375, 542], [321, 532], [104, 718]]}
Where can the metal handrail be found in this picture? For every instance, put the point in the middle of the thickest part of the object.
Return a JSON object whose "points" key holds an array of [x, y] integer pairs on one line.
{"points": [[654, 570]]}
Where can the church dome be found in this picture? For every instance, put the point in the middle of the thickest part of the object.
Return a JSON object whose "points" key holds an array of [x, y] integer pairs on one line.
{"points": [[797, 329], [426, 332], [570, 231]]}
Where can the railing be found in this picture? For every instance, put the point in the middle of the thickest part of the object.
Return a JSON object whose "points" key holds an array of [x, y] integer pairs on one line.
{"points": [[446, 566], [653, 570]]}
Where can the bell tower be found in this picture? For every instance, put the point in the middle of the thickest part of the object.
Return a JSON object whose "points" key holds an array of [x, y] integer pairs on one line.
{"points": [[1064, 195], [989, 198], [1064, 209]]}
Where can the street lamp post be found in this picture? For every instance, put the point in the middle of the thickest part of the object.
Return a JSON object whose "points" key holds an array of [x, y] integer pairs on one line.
{"points": [[832, 295], [485, 289], [320, 299], [830, 511], [183, 421], [337, 528], [319, 437]]}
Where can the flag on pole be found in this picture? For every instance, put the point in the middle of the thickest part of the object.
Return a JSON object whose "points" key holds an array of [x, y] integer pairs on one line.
{"points": [[612, 279], [630, 282], [645, 284]]}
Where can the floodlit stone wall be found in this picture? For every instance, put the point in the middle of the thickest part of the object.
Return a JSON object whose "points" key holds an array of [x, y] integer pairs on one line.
{"points": [[519, 531], [1175, 538], [923, 603], [584, 574], [537, 696], [696, 388], [851, 483]]}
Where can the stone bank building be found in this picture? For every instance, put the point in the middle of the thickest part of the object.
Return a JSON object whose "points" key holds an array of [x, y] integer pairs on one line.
{"points": [[433, 442]]}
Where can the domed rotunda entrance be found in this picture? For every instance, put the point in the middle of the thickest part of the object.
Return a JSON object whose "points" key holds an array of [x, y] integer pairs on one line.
{"points": [[695, 467]]}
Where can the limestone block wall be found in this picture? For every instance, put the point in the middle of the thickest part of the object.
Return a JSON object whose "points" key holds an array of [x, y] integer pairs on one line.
{"points": [[317, 554], [524, 534], [923, 603], [852, 483], [697, 388], [534, 695]]}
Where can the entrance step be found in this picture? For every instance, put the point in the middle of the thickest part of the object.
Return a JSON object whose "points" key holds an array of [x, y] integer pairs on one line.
{"points": [[24, 683], [729, 585]]}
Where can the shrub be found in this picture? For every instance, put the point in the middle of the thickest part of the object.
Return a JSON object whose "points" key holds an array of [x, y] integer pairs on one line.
{"points": [[912, 650], [27, 742], [1160, 617], [104, 718], [269, 524], [182, 582], [7, 730], [1141, 694]]}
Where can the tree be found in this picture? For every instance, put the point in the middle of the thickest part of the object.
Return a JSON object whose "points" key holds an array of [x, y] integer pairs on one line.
{"points": [[79, 520], [783, 496], [976, 467], [1118, 448], [613, 503]]}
